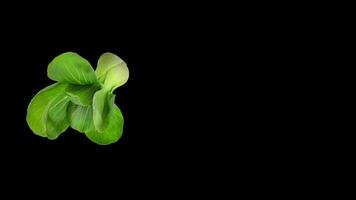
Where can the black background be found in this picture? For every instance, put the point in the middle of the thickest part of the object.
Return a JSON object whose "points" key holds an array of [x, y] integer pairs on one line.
{"points": [[209, 97]]}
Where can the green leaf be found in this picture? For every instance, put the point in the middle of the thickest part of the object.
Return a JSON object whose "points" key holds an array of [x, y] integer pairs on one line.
{"points": [[105, 63], [82, 94], [57, 121], [71, 68], [103, 103], [81, 117], [111, 71], [46, 114], [112, 133]]}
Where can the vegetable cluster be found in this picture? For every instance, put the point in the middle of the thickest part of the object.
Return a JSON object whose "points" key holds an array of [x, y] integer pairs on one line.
{"points": [[82, 99]]}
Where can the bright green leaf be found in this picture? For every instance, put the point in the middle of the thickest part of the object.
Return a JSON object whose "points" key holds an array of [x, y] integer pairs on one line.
{"points": [[46, 114], [71, 68], [112, 133], [57, 121], [82, 94], [105, 63], [80, 117], [103, 103], [112, 71]]}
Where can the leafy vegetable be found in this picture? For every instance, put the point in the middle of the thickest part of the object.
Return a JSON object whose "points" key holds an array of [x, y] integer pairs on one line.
{"points": [[82, 99]]}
